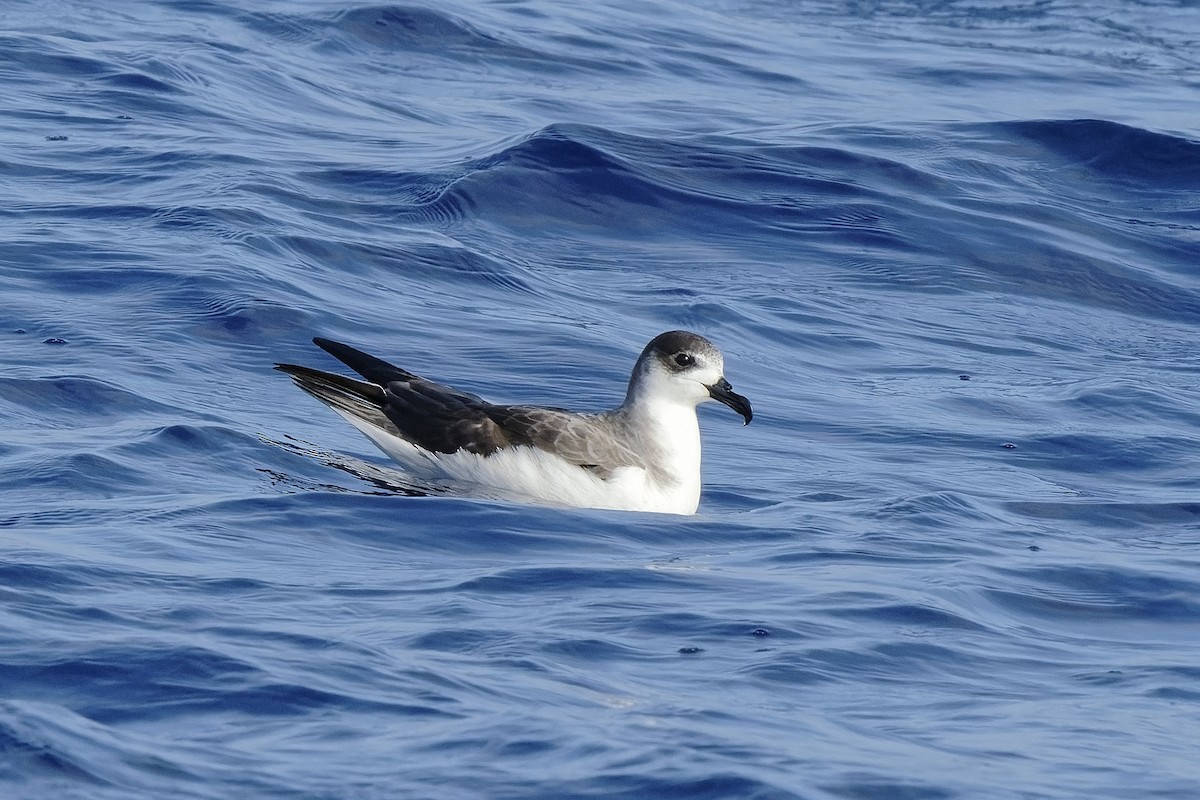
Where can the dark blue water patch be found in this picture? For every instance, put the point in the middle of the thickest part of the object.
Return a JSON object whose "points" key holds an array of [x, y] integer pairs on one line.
{"points": [[408, 28], [32, 55], [1115, 515], [185, 445], [246, 319], [25, 757], [1098, 595], [77, 265], [910, 615], [116, 213], [335, 198], [1095, 610], [1175, 695], [704, 626], [1150, 679], [1124, 401], [868, 786], [110, 684], [412, 34], [418, 266], [48, 748], [394, 523], [16, 575], [993, 255], [110, 85], [552, 179], [946, 510], [74, 475], [27, 515], [111, 680], [589, 651], [1002, 206], [1082, 453], [1122, 173], [155, 165], [380, 185], [520, 581], [631, 784], [694, 64], [122, 169], [74, 401], [269, 699], [144, 462], [1132, 158], [901, 661], [793, 670], [423, 35], [280, 27], [136, 83], [1059, 274], [230, 223], [599, 177], [817, 555], [456, 640], [28, 750]]}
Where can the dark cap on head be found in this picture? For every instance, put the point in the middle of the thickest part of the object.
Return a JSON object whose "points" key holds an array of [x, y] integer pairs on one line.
{"points": [[673, 342]]}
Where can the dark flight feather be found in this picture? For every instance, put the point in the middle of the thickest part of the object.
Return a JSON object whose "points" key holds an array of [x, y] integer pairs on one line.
{"points": [[445, 420]]}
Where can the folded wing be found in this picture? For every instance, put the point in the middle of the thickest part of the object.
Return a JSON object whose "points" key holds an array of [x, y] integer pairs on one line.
{"points": [[444, 420]]}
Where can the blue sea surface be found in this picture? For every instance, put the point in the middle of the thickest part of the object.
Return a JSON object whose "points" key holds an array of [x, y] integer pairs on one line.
{"points": [[951, 251]]}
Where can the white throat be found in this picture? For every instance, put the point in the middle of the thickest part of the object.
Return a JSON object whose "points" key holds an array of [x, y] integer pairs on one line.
{"points": [[669, 433]]}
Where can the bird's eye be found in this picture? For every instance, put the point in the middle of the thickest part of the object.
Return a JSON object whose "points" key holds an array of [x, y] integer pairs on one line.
{"points": [[685, 359]]}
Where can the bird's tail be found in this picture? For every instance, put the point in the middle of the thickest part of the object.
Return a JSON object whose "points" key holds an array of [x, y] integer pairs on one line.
{"points": [[347, 396]]}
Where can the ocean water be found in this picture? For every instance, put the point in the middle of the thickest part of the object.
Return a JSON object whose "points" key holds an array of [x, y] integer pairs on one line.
{"points": [[950, 249]]}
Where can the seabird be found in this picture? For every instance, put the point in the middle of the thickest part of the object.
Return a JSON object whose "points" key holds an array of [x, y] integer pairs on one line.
{"points": [[643, 455]]}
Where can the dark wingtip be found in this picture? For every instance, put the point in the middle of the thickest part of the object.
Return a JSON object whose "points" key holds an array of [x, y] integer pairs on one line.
{"points": [[330, 346], [373, 369]]}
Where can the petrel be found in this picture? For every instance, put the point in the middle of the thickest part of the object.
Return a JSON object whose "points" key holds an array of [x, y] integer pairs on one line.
{"points": [[643, 455]]}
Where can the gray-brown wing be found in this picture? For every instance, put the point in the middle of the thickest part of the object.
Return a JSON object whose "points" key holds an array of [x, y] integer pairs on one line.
{"points": [[582, 439], [445, 421]]}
